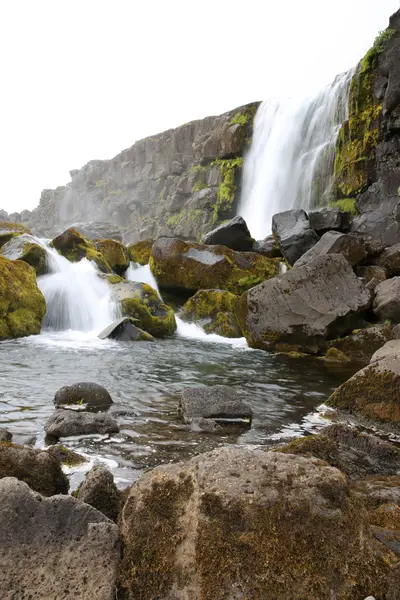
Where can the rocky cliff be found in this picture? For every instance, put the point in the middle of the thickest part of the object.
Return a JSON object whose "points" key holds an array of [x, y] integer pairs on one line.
{"points": [[181, 182]]}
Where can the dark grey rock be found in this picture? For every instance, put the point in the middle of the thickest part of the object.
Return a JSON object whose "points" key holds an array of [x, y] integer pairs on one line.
{"points": [[293, 234], [124, 330], [233, 234], [58, 548], [360, 345], [94, 230], [268, 247], [390, 260], [100, 491], [5, 436], [66, 423], [334, 242], [220, 403], [372, 275], [329, 219], [84, 394], [387, 300]]}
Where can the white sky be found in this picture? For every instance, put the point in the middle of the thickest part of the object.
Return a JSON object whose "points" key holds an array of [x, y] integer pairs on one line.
{"points": [[83, 79]]}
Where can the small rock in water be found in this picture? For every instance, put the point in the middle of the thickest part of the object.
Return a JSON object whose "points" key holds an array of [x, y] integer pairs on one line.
{"points": [[66, 423], [5, 436], [124, 330], [219, 403], [66, 456], [85, 394]]}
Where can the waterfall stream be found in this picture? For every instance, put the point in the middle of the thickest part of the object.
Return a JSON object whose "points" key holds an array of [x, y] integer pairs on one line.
{"points": [[290, 161]]}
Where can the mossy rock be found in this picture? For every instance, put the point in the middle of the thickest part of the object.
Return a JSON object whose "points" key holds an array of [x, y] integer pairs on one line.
{"points": [[214, 311], [141, 302], [24, 247], [360, 345], [140, 252], [10, 230], [115, 254], [177, 264], [333, 355], [73, 246], [66, 456], [22, 305]]}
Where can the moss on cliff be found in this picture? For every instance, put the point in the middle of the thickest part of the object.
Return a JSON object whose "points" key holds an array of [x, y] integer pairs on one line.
{"points": [[229, 169]]}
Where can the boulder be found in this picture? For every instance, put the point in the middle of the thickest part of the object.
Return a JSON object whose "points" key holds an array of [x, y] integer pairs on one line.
{"points": [[360, 345], [293, 233], [373, 393], [41, 471], [214, 310], [66, 456], [58, 548], [301, 309], [220, 403], [24, 247], [141, 302], [67, 423], [125, 330], [386, 303], [140, 252], [84, 394], [372, 275], [245, 523], [233, 234], [190, 266], [10, 230], [115, 254], [390, 260], [22, 305], [334, 242], [5, 435], [95, 230], [329, 219], [100, 491], [268, 247], [74, 247]]}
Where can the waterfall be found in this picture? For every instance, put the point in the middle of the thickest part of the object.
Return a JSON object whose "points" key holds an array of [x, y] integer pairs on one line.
{"points": [[290, 161], [77, 297]]}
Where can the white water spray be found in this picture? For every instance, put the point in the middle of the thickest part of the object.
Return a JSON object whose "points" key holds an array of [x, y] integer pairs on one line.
{"points": [[290, 162]]}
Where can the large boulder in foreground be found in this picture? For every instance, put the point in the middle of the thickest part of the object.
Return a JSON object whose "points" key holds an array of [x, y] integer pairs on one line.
{"points": [[373, 393], [97, 230], [67, 423], [387, 300], [39, 469], [214, 310], [10, 230], [73, 246], [22, 305], [241, 523], [125, 330], [304, 307], [233, 234], [141, 302], [293, 233], [115, 254], [190, 266], [24, 247], [334, 242], [85, 394], [58, 548]]}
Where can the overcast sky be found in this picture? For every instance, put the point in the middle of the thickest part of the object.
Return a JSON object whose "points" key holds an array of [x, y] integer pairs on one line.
{"points": [[83, 79]]}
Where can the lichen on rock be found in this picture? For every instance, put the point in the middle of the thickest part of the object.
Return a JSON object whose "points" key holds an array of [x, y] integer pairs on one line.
{"points": [[115, 254]]}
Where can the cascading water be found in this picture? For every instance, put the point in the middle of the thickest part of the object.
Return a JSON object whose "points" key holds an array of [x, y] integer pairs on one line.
{"points": [[290, 162]]}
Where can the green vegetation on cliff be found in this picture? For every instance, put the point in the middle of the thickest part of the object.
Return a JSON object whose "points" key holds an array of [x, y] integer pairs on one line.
{"points": [[229, 170]]}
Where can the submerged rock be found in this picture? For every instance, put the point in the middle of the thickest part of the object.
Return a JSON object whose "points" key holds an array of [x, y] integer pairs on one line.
{"points": [[100, 491], [73, 246], [214, 310], [24, 247], [387, 300], [247, 523], [140, 252], [360, 345], [115, 254], [220, 403], [191, 266], [334, 242], [41, 471], [329, 219], [293, 234], [67, 423], [84, 394], [55, 548], [125, 330], [22, 305], [233, 234], [10, 230], [97, 230], [302, 308]]}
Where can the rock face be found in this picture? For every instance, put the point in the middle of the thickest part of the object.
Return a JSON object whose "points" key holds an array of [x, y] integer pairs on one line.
{"points": [[98, 231], [84, 394], [190, 266], [218, 402], [334, 242], [41, 471], [238, 523], [22, 305], [66, 423], [302, 308], [74, 247], [214, 310], [293, 233], [24, 247], [58, 548], [182, 182], [233, 234], [100, 491], [115, 254], [329, 219], [125, 330], [387, 300]]}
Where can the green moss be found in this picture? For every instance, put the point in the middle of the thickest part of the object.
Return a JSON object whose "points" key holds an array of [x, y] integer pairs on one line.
{"points": [[207, 303], [370, 59], [115, 254], [100, 183], [139, 252], [9, 230], [239, 119], [198, 185], [113, 279], [174, 220], [229, 169], [345, 205], [74, 247], [152, 315], [335, 355]]}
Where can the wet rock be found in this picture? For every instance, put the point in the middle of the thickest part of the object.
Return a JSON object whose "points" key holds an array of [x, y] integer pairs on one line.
{"points": [[24, 247], [214, 310], [220, 403], [67, 423], [141, 302], [66, 456], [329, 219], [373, 275], [115, 254], [268, 247], [386, 303], [5, 435], [84, 394], [334, 242], [390, 260], [190, 266], [38, 468], [360, 345], [10, 230], [233, 234], [55, 548], [299, 310], [293, 233], [125, 330], [100, 491], [74, 247], [140, 252], [237, 521], [22, 303], [96, 230]]}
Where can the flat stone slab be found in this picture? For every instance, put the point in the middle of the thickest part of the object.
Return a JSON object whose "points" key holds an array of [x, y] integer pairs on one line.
{"points": [[220, 403], [67, 423]]}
